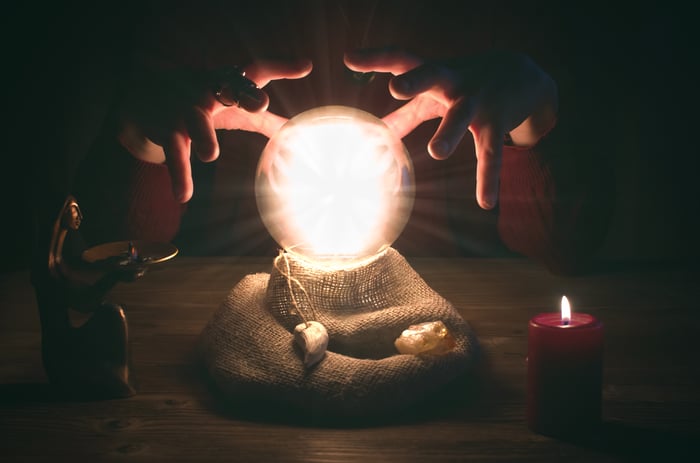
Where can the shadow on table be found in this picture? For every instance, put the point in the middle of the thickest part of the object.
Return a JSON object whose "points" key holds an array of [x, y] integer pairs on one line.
{"points": [[250, 408], [469, 397], [25, 393], [19, 393], [640, 266], [637, 444]]}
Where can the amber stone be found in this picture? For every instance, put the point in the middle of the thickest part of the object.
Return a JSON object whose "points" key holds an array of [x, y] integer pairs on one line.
{"points": [[429, 338]]}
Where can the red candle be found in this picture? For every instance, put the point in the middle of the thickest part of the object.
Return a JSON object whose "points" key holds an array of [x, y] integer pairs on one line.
{"points": [[564, 372]]}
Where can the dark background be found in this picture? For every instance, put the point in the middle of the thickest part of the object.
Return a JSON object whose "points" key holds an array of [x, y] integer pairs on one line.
{"points": [[637, 64]]}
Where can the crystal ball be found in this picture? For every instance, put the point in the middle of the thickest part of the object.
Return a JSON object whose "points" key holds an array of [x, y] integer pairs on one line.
{"points": [[335, 186]]}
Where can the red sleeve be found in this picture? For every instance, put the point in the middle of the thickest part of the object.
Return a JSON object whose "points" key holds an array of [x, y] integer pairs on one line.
{"points": [[122, 198], [554, 208]]}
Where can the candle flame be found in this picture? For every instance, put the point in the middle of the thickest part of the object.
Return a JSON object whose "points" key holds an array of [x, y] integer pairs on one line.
{"points": [[565, 311]]}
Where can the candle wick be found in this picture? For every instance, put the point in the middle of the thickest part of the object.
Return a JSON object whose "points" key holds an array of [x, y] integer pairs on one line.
{"points": [[565, 322]]}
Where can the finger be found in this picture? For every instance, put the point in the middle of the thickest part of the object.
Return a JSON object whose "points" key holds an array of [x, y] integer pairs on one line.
{"points": [[409, 116], [391, 60], [421, 79], [263, 71], [488, 142], [452, 128], [265, 122], [200, 128], [253, 99], [177, 158]]}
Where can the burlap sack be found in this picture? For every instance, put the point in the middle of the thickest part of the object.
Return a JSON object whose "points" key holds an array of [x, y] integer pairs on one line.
{"points": [[248, 350]]}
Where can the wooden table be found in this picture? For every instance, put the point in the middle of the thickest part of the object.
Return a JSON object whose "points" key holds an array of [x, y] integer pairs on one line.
{"points": [[651, 381]]}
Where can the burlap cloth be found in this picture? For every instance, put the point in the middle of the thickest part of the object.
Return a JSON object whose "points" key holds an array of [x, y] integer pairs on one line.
{"points": [[248, 350]]}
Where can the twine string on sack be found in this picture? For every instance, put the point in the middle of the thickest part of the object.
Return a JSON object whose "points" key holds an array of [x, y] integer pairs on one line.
{"points": [[290, 279]]}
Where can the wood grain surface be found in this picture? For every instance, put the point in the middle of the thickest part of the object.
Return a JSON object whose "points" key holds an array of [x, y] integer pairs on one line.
{"points": [[651, 383]]}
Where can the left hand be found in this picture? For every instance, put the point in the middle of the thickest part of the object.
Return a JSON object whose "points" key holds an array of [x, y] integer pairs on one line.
{"points": [[166, 115], [489, 95]]}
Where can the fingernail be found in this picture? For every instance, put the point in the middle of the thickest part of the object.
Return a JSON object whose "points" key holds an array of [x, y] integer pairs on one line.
{"points": [[180, 194], [440, 148], [488, 201], [354, 54], [402, 85]]}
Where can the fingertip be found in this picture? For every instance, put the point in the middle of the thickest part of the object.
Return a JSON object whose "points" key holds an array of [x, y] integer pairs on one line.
{"points": [[361, 60], [182, 192], [207, 152], [350, 59], [487, 202], [306, 66], [401, 88], [177, 152], [486, 194], [200, 129], [440, 149], [182, 188]]}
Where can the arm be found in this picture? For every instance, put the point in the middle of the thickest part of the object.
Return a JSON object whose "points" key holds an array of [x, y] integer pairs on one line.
{"points": [[124, 197], [556, 201]]}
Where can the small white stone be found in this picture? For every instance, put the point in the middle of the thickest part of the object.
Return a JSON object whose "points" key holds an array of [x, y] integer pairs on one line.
{"points": [[312, 338]]}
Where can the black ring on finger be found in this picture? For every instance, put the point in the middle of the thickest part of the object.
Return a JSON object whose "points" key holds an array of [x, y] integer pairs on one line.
{"points": [[229, 84]]}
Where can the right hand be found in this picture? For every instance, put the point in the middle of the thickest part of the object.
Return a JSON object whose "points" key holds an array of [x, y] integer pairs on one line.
{"points": [[486, 95]]}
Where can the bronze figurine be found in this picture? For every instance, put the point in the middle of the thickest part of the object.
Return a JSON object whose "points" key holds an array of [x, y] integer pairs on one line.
{"points": [[90, 360]]}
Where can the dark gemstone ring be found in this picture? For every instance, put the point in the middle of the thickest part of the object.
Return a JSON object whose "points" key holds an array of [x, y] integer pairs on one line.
{"points": [[229, 84]]}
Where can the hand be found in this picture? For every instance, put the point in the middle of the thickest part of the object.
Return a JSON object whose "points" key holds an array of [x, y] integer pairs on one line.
{"points": [[489, 95], [167, 115]]}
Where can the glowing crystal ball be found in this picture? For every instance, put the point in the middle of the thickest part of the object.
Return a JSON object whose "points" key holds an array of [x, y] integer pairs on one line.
{"points": [[335, 186]]}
